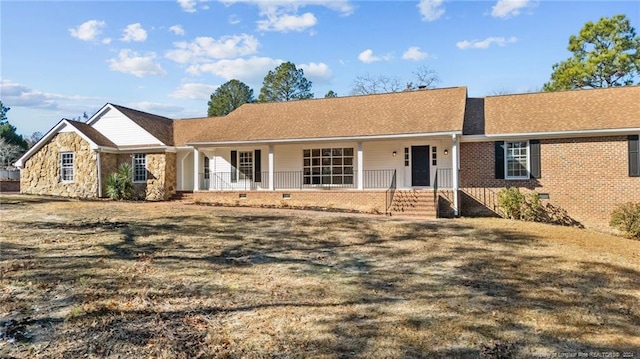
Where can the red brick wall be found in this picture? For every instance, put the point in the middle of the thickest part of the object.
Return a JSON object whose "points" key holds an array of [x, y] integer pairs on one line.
{"points": [[362, 201], [586, 177]]}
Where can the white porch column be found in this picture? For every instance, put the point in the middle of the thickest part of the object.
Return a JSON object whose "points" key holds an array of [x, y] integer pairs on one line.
{"points": [[455, 153], [196, 169], [360, 167], [271, 169]]}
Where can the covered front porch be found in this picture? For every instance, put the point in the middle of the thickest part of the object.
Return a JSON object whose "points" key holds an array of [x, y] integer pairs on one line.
{"points": [[236, 170]]}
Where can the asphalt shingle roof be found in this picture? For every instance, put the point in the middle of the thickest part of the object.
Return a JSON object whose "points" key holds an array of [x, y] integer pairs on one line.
{"points": [[414, 112], [158, 126], [578, 110], [93, 134]]}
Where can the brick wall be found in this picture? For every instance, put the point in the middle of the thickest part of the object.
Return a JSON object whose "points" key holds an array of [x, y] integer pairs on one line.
{"points": [[586, 177], [362, 201]]}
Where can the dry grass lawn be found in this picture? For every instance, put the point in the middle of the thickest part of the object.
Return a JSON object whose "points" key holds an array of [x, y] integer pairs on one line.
{"points": [[169, 280]]}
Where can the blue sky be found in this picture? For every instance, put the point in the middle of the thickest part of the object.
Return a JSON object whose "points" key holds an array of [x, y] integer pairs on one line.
{"points": [[62, 58]]}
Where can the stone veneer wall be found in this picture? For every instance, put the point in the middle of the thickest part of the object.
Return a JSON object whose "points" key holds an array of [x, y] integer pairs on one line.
{"points": [[161, 174], [41, 172], [586, 177]]}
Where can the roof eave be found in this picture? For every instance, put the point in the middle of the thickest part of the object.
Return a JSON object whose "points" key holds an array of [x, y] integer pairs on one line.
{"points": [[324, 139], [552, 134]]}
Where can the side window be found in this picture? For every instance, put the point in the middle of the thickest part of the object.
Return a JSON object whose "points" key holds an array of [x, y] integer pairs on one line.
{"points": [[517, 160], [66, 166], [139, 167]]}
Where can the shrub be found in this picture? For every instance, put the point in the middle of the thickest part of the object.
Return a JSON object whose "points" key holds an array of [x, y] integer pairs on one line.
{"points": [[119, 184], [626, 218], [516, 205], [510, 201]]}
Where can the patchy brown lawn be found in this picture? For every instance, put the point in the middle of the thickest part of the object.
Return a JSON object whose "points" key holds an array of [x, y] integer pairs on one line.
{"points": [[169, 280]]}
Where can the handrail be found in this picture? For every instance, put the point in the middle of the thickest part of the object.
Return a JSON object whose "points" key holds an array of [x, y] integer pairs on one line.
{"points": [[485, 196], [389, 193]]}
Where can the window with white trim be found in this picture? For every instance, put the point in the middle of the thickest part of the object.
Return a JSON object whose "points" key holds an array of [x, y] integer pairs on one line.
{"points": [[206, 168], [139, 167], [328, 166], [245, 164], [517, 160], [66, 166]]}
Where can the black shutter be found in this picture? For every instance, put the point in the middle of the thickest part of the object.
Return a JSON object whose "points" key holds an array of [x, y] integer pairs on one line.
{"points": [[634, 160], [499, 159], [536, 169], [234, 165], [257, 161]]}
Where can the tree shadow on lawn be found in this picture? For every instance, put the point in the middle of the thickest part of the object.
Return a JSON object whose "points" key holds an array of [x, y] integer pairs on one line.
{"points": [[477, 284]]}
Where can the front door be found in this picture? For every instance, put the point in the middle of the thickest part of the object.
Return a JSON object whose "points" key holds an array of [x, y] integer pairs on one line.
{"points": [[420, 166]]}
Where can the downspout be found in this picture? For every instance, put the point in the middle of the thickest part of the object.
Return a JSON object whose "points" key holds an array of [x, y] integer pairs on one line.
{"points": [[98, 163]]}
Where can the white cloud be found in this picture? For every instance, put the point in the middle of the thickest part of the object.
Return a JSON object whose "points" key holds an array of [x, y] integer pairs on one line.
{"points": [[134, 32], [484, 44], [191, 6], [130, 62], [282, 15], [88, 31], [317, 72], [368, 57], [431, 10], [159, 108], [106, 40], [18, 95], [234, 19], [194, 91], [344, 7], [177, 30], [205, 48], [508, 8], [286, 23], [187, 5], [247, 70], [414, 53]]}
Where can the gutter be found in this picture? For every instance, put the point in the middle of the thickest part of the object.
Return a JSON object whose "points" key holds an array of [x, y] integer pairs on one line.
{"points": [[551, 135]]}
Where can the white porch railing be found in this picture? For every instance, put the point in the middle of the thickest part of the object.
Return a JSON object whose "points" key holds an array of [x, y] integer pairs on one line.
{"points": [[216, 181]]}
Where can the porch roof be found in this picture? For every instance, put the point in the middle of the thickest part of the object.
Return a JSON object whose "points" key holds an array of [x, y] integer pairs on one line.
{"points": [[403, 113], [568, 111]]}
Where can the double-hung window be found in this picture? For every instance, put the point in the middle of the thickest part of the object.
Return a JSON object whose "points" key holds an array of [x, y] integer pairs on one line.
{"points": [[66, 167], [139, 167], [517, 160], [245, 164]]}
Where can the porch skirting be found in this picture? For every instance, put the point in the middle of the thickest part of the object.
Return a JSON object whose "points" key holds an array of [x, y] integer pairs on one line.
{"points": [[361, 201]]}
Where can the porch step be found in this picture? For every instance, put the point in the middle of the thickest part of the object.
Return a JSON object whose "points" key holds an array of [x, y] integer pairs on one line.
{"points": [[182, 196], [413, 203]]}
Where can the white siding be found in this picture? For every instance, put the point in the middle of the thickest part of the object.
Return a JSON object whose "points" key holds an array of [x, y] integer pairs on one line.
{"points": [[184, 167], [378, 155], [121, 130]]}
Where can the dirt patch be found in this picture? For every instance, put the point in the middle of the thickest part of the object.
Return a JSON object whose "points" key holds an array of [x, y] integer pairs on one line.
{"points": [[167, 280]]}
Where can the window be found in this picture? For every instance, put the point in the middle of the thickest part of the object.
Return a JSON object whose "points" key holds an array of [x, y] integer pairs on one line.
{"points": [[66, 167], [517, 160], [206, 168], [245, 165], [434, 155], [634, 157], [406, 156], [328, 166], [139, 167]]}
